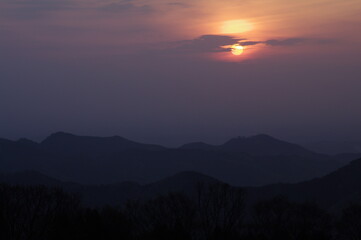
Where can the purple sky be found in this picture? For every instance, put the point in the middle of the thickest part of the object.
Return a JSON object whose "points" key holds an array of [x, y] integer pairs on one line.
{"points": [[162, 71]]}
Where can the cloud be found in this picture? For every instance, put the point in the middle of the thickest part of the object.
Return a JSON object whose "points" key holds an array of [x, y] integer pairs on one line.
{"points": [[277, 42], [32, 9], [29, 9], [286, 42], [206, 43], [40, 4], [179, 4], [222, 43], [249, 43], [125, 6]]}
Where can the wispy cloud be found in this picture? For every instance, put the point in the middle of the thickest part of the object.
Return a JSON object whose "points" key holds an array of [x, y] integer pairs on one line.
{"points": [[40, 4], [287, 42], [179, 4], [222, 43], [30, 9], [125, 6], [206, 43]]}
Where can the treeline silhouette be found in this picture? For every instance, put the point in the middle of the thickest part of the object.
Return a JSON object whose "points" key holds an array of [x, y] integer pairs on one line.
{"points": [[216, 212]]}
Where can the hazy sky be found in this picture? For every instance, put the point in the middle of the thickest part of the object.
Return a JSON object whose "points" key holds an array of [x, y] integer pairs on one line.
{"points": [[163, 71]]}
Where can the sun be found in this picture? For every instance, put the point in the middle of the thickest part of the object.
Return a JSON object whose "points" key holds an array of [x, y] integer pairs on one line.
{"points": [[237, 49], [236, 26]]}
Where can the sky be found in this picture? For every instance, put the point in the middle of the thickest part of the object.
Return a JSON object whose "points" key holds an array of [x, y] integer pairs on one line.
{"points": [[170, 72]]}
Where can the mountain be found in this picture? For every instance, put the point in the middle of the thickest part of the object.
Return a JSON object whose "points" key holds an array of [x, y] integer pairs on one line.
{"points": [[258, 145], [69, 144], [106, 160], [334, 147], [264, 145], [332, 191], [22, 155]]}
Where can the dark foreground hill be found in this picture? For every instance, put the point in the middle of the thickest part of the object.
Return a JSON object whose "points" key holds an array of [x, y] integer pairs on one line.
{"points": [[114, 194], [252, 161], [333, 191], [217, 211]]}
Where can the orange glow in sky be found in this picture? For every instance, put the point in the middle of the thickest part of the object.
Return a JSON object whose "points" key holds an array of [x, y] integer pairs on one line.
{"points": [[107, 26], [236, 26]]}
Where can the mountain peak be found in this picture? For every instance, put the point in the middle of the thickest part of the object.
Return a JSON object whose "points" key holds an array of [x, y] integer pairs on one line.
{"points": [[62, 134], [58, 135], [263, 144], [66, 143], [69, 136], [257, 145]]}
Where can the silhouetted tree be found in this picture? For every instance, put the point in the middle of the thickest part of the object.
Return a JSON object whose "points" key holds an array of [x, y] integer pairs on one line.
{"points": [[29, 212], [215, 212], [349, 225], [221, 210], [166, 217], [116, 225], [279, 219]]}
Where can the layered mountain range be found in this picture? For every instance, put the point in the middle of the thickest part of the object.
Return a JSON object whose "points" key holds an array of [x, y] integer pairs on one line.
{"points": [[242, 161]]}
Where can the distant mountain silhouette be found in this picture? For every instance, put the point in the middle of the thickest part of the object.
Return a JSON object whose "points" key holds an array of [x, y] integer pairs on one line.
{"points": [[69, 144], [264, 145], [259, 145], [252, 161], [334, 147]]}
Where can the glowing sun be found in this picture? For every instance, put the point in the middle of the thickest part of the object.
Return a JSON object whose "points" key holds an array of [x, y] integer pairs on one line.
{"points": [[237, 49]]}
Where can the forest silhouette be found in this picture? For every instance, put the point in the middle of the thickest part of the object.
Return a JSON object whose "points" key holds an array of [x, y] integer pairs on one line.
{"points": [[218, 211]]}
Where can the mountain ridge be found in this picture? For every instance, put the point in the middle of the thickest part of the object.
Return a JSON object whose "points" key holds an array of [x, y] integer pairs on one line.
{"points": [[258, 145], [106, 160]]}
